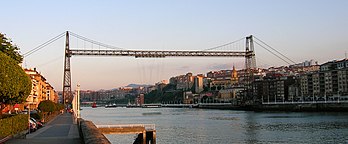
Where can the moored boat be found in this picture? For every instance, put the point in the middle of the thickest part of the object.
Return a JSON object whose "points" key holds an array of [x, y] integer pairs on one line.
{"points": [[111, 106], [94, 105]]}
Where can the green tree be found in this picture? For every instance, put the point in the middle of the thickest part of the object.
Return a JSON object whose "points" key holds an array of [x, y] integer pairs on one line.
{"points": [[47, 106], [59, 106], [169, 93], [10, 49], [15, 84]]}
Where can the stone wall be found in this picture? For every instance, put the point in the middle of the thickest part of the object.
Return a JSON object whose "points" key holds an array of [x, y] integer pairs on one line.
{"points": [[90, 134]]}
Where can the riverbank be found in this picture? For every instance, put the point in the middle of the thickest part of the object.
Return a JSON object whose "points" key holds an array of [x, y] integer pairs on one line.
{"points": [[304, 107], [288, 107]]}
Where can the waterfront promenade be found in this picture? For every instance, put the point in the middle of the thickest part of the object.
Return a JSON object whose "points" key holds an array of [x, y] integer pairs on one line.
{"points": [[59, 130]]}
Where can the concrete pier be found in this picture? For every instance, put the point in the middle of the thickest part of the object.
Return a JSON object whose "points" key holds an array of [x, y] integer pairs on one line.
{"points": [[146, 132]]}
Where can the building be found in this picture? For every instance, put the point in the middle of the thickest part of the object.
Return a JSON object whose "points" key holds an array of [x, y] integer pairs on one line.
{"points": [[306, 63], [294, 91], [140, 100], [229, 94], [222, 79], [342, 75], [52, 95], [274, 88], [234, 77], [41, 90], [160, 85], [198, 82], [329, 83], [38, 92], [183, 82], [188, 98], [105, 95]]}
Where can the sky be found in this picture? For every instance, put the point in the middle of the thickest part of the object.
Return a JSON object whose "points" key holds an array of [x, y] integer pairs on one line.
{"points": [[302, 30]]}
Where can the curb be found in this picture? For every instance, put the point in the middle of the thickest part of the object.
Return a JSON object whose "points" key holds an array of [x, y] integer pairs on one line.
{"points": [[21, 134], [5, 139]]}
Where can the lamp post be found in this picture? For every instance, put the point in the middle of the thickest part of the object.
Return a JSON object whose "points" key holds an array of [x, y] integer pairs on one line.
{"points": [[78, 100], [29, 103], [29, 118]]}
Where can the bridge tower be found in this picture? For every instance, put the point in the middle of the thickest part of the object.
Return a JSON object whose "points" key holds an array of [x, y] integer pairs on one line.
{"points": [[250, 62], [250, 67], [67, 94]]}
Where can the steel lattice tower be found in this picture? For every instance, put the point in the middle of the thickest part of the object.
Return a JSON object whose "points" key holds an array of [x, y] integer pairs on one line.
{"points": [[67, 94], [250, 67]]}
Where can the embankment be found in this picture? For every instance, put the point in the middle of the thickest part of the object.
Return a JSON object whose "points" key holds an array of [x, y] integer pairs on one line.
{"points": [[291, 107], [90, 134], [305, 107]]}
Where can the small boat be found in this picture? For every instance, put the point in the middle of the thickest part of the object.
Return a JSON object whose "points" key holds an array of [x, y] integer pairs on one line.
{"points": [[111, 106], [94, 105], [151, 106], [133, 106]]}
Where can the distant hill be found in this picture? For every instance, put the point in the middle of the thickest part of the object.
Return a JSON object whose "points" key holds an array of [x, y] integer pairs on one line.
{"points": [[137, 85]]}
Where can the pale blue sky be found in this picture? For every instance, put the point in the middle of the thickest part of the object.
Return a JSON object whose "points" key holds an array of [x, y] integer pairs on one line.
{"points": [[310, 29]]}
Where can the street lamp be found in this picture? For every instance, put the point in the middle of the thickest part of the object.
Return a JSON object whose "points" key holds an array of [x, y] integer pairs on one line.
{"points": [[29, 103], [78, 100]]}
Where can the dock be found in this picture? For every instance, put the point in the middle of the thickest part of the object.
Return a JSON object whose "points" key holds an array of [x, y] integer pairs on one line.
{"points": [[146, 132]]}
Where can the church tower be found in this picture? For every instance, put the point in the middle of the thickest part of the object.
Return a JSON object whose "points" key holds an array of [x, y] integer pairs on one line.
{"points": [[234, 76]]}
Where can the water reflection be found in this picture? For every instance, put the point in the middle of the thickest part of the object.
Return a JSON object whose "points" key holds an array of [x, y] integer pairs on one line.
{"points": [[251, 128], [197, 126]]}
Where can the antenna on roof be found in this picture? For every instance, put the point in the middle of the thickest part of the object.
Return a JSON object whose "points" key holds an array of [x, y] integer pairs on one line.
{"points": [[345, 54]]}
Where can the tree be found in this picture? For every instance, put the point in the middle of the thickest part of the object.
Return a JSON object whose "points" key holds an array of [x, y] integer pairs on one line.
{"points": [[10, 49], [15, 84], [47, 106]]}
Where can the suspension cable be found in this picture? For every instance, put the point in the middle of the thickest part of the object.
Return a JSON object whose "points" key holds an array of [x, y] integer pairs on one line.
{"points": [[223, 45], [275, 50], [94, 42], [272, 52], [43, 45]]}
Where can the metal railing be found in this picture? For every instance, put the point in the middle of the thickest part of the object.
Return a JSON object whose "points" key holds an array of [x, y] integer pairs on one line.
{"points": [[145, 126]]}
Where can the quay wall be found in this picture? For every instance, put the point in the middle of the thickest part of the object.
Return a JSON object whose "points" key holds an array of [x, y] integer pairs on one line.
{"points": [[298, 107], [306, 107], [90, 134]]}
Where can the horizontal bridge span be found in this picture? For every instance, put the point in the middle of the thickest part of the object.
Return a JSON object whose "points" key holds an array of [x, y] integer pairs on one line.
{"points": [[139, 53]]}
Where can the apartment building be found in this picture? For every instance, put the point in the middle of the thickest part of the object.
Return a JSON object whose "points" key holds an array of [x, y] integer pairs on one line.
{"points": [[328, 83], [223, 79], [183, 82], [274, 88], [198, 83], [41, 89]]}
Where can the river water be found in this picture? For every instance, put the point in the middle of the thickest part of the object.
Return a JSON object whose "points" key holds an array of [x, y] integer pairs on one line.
{"points": [[204, 126]]}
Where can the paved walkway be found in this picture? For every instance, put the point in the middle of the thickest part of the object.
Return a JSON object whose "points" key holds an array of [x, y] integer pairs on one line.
{"points": [[61, 130]]}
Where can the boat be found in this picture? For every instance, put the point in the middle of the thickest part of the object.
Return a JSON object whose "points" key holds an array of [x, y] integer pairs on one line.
{"points": [[151, 106], [94, 105], [111, 106], [133, 106]]}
